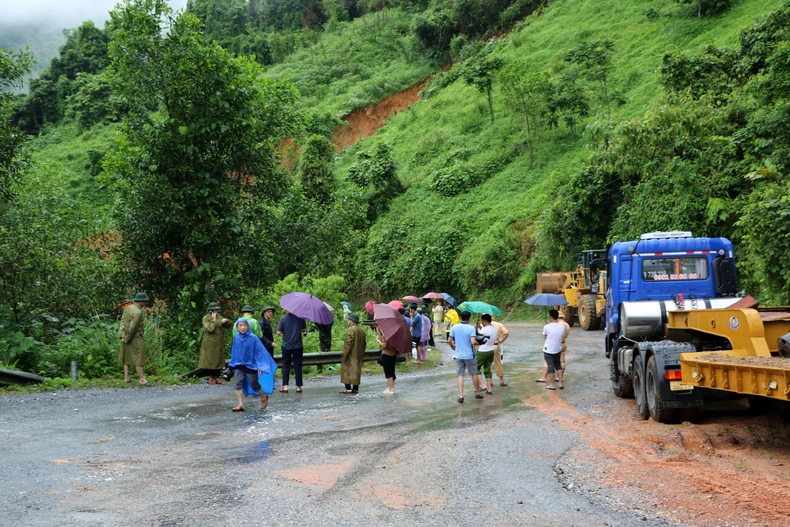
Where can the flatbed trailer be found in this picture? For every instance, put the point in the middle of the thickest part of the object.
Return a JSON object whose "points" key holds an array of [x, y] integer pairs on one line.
{"points": [[754, 364]]}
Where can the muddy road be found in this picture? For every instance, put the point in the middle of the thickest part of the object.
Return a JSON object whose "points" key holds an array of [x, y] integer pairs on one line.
{"points": [[522, 456]]}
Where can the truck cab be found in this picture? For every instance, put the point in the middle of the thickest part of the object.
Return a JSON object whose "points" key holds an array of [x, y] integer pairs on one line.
{"points": [[674, 270]]}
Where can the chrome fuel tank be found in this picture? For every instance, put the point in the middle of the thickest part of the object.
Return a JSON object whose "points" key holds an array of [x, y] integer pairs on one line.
{"points": [[646, 319]]}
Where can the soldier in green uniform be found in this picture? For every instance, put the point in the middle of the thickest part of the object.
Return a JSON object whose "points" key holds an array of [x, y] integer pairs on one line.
{"points": [[247, 313], [353, 355], [212, 348], [132, 351]]}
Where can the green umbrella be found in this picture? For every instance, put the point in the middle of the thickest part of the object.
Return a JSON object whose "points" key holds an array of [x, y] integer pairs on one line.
{"points": [[479, 307]]}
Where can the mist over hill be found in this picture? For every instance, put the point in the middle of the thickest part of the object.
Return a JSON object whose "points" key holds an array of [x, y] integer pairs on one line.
{"points": [[39, 24]]}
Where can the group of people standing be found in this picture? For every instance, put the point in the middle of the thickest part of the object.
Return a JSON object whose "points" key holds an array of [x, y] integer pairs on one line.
{"points": [[253, 347]]}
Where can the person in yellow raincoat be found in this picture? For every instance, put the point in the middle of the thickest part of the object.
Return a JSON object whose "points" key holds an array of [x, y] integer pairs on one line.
{"points": [[450, 319]]}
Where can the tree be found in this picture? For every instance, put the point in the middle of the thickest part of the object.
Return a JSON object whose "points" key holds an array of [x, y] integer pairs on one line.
{"points": [[528, 93], [567, 100], [13, 160], [480, 70], [594, 59], [376, 172], [197, 162], [315, 169]]}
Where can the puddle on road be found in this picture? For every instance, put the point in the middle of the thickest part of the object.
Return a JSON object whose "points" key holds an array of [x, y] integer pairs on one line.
{"points": [[255, 452]]}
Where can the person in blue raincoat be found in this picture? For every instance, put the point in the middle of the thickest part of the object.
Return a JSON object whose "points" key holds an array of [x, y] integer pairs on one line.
{"points": [[249, 359]]}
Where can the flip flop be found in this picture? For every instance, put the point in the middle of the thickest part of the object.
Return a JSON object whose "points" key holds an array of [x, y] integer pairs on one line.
{"points": [[219, 382], [283, 390], [128, 380], [146, 383], [346, 391], [538, 380], [298, 390], [550, 388], [503, 384], [562, 386], [238, 409]]}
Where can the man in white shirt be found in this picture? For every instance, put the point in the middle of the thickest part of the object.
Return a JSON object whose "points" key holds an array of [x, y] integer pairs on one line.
{"points": [[553, 332], [485, 353]]}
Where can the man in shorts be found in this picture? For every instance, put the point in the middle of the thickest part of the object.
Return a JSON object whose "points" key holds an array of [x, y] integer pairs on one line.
{"points": [[485, 354], [461, 340], [553, 333]]}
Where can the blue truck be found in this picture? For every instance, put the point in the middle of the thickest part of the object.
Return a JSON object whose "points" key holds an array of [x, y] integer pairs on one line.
{"points": [[648, 280]]}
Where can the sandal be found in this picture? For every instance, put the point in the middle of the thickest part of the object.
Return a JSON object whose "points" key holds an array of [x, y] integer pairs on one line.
{"points": [[283, 390], [489, 392], [238, 409], [346, 391], [550, 388], [460, 399], [219, 381], [264, 403], [503, 384], [562, 386], [211, 381], [298, 389], [540, 380], [479, 396]]}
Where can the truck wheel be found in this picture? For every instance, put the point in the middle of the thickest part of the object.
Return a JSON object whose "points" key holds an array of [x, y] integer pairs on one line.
{"points": [[621, 385], [570, 314], [586, 309], [639, 387], [661, 415]]}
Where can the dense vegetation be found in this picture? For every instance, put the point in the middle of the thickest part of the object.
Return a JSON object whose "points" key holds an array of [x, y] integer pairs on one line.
{"points": [[559, 126]]}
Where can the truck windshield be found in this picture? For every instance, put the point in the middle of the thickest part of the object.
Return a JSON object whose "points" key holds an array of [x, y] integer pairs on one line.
{"points": [[672, 269]]}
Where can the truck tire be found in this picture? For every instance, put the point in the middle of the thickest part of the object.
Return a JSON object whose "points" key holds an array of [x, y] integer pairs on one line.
{"points": [[639, 387], [570, 314], [621, 385], [586, 310], [661, 415]]}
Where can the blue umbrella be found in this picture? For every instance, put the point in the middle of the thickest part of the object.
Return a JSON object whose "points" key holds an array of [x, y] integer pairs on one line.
{"points": [[546, 299], [347, 304], [450, 300]]}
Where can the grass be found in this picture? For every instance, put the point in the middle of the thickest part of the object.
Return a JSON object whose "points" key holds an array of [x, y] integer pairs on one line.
{"points": [[362, 62], [453, 127]]}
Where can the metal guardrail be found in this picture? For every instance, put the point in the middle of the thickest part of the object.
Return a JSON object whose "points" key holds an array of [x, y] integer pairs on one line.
{"points": [[311, 359], [8, 377]]}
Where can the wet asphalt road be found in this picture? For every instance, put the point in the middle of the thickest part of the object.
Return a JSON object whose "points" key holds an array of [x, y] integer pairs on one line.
{"points": [[179, 456]]}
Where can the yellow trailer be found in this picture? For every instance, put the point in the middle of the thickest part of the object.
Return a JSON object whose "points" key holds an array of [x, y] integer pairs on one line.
{"points": [[754, 364], [742, 350]]}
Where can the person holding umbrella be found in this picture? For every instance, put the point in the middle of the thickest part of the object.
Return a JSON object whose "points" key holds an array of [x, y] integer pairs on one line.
{"points": [[353, 355], [298, 307], [553, 333], [394, 338]]}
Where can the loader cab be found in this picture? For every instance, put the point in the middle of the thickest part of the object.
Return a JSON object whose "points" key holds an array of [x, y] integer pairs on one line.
{"points": [[594, 265]]}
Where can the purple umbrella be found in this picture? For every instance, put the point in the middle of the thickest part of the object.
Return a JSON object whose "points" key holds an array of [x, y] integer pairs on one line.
{"points": [[304, 305]]}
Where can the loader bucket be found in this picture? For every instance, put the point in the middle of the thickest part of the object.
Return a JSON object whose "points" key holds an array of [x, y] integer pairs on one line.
{"points": [[550, 282]]}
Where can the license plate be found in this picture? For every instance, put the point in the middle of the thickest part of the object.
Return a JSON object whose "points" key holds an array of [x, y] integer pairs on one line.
{"points": [[677, 386]]}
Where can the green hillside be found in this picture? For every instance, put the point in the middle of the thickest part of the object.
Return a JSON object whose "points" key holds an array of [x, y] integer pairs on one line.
{"points": [[481, 242]]}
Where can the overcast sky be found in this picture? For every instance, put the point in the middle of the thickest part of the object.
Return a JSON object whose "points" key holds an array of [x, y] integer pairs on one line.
{"points": [[64, 13]]}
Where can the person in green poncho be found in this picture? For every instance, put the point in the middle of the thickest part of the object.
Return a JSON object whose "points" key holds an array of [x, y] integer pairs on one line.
{"points": [[132, 352], [247, 313], [212, 348], [353, 355]]}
